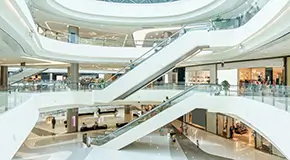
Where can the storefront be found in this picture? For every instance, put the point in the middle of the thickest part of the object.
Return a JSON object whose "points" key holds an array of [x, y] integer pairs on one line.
{"points": [[269, 75], [265, 146], [230, 128], [200, 75], [268, 70], [196, 118]]}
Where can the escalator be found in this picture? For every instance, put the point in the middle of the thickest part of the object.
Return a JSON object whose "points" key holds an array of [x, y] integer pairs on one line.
{"points": [[152, 120], [154, 63], [24, 73]]}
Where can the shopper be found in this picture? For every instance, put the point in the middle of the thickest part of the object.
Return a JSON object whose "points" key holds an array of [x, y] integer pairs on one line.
{"points": [[182, 31], [180, 130], [53, 122], [231, 132], [173, 139], [171, 132], [197, 143], [185, 129], [84, 125], [115, 112], [155, 46], [96, 125], [131, 65]]}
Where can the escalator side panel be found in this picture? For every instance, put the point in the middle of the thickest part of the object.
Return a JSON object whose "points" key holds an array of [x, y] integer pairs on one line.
{"points": [[169, 55], [149, 125], [157, 75]]}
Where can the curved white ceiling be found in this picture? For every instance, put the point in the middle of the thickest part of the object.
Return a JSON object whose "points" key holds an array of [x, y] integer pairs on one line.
{"points": [[179, 12], [56, 50]]}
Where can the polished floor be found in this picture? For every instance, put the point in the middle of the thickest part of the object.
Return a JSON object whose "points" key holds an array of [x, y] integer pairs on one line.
{"points": [[216, 145], [153, 146], [45, 143]]}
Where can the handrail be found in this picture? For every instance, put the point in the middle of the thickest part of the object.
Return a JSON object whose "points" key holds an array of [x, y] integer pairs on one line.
{"points": [[163, 104], [169, 39]]}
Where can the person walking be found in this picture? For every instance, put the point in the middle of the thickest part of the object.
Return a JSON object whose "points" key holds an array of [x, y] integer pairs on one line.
{"points": [[131, 65], [53, 122], [180, 130], [197, 143], [185, 129]]}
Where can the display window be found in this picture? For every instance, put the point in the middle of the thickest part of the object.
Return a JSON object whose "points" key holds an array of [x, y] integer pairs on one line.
{"points": [[268, 76], [198, 77]]}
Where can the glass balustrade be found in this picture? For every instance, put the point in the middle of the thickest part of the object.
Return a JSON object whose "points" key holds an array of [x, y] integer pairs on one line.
{"points": [[275, 95], [219, 23], [10, 100], [60, 86], [240, 19], [211, 89]]}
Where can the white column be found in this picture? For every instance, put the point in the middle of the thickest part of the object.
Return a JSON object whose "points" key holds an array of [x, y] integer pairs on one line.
{"points": [[213, 74], [50, 76]]}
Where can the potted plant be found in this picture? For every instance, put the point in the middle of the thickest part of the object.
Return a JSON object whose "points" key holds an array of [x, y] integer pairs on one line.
{"points": [[226, 86]]}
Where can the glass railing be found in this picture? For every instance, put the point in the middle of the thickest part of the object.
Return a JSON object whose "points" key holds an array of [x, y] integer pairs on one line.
{"points": [[113, 41], [60, 86], [122, 40], [10, 100], [15, 72], [240, 19], [275, 95], [154, 50], [39, 86], [151, 86], [109, 41], [211, 89]]}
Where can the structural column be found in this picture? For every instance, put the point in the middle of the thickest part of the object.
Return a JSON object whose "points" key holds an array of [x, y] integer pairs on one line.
{"points": [[73, 70], [73, 36], [4, 76], [73, 75], [127, 113], [213, 74], [286, 71], [72, 116]]}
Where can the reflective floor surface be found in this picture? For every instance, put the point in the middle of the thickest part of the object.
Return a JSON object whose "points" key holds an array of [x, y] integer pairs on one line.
{"points": [[47, 144]]}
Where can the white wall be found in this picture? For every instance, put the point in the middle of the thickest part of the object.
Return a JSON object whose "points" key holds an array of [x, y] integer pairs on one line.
{"points": [[231, 75]]}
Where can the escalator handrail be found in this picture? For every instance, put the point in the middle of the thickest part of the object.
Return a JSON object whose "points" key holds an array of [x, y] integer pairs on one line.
{"points": [[163, 104], [152, 49]]}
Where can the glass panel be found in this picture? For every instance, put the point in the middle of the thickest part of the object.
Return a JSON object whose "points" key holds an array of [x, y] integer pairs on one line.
{"points": [[275, 95], [241, 19], [212, 89]]}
